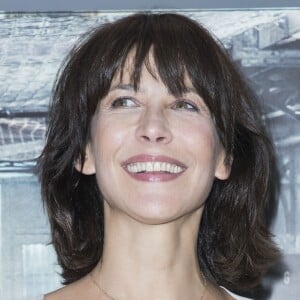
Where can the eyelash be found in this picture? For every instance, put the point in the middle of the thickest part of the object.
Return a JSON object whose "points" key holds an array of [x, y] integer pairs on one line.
{"points": [[193, 107], [113, 105]]}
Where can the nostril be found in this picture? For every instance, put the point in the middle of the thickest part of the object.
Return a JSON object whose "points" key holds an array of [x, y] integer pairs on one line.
{"points": [[161, 138], [157, 139], [145, 137]]}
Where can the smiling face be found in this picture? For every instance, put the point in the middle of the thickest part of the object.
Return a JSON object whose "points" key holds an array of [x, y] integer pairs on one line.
{"points": [[155, 155]]}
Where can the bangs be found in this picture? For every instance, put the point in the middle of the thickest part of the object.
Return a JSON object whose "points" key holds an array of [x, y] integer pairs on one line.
{"points": [[178, 51]]}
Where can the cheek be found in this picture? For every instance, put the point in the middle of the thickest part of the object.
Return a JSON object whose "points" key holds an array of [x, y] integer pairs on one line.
{"points": [[109, 138], [200, 138]]}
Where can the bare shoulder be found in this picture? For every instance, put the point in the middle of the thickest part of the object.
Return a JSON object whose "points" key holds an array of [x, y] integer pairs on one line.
{"points": [[78, 290], [66, 293]]}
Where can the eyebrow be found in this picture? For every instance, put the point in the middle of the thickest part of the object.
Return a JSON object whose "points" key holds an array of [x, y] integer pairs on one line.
{"points": [[130, 87], [190, 90], [121, 86]]}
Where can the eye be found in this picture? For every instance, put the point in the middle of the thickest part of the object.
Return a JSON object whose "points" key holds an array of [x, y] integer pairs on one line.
{"points": [[182, 104], [123, 102]]}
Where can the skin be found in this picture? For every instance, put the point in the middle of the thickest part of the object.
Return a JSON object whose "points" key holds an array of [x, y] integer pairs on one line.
{"points": [[151, 228]]}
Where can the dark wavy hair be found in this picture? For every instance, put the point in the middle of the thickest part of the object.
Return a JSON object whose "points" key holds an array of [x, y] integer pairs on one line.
{"points": [[234, 245]]}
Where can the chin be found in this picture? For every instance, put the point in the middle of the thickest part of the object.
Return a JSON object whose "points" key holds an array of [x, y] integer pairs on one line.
{"points": [[153, 210], [154, 220], [160, 214]]}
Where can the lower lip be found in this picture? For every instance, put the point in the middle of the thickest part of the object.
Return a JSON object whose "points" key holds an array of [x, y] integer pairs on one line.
{"points": [[154, 176]]}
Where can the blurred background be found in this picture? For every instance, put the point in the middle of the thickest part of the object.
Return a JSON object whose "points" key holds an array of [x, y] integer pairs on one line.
{"points": [[264, 42]]}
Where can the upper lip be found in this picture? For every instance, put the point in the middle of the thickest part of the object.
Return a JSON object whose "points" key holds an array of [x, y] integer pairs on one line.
{"points": [[153, 158]]}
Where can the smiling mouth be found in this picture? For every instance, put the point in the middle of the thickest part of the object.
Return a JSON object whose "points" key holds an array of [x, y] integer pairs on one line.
{"points": [[151, 167]]}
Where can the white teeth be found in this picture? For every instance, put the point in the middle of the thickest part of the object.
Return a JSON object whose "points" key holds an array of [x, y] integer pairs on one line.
{"points": [[153, 167], [135, 169], [156, 166], [172, 168], [149, 167]]}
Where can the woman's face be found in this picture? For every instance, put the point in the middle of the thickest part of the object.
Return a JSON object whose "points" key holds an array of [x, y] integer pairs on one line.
{"points": [[155, 155]]}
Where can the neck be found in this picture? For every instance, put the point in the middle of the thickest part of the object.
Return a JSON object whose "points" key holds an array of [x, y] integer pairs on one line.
{"points": [[142, 261]]}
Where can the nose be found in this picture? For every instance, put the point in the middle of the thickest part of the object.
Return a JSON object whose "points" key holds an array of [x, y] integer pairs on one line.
{"points": [[154, 127]]}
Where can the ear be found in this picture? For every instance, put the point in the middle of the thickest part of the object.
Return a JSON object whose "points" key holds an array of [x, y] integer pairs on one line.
{"points": [[88, 164], [223, 170]]}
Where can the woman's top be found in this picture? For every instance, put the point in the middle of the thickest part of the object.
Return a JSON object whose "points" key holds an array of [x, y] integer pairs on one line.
{"points": [[236, 297]]}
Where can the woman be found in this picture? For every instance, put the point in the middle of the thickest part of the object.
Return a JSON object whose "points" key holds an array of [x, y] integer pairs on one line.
{"points": [[156, 169]]}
